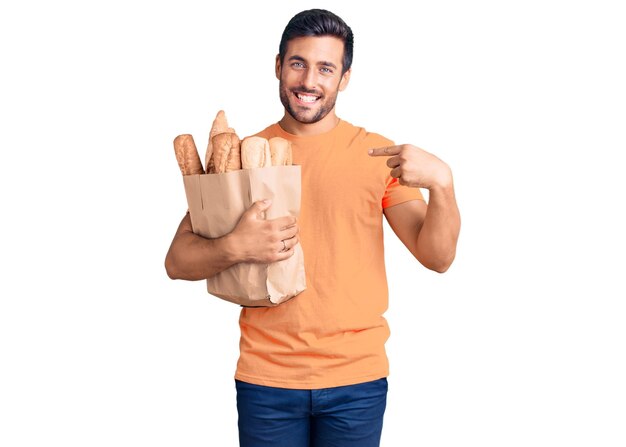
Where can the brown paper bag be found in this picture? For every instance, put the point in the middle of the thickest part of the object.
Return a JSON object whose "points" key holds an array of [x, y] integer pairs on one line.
{"points": [[217, 201]]}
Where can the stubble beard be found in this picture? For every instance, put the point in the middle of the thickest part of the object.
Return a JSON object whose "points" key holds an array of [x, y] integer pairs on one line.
{"points": [[327, 103]]}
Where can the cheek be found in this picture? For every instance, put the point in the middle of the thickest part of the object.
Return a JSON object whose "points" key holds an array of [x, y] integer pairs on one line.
{"points": [[290, 77], [328, 86]]}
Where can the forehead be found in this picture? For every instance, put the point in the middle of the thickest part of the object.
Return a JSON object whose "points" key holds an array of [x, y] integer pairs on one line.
{"points": [[316, 48]]}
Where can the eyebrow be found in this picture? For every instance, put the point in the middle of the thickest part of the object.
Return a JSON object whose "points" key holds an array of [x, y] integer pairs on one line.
{"points": [[323, 63]]}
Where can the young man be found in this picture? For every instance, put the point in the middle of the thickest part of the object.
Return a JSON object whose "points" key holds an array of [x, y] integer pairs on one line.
{"points": [[312, 371]]}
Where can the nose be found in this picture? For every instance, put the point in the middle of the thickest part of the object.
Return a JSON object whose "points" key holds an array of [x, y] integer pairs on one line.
{"points": [[309, 80]]}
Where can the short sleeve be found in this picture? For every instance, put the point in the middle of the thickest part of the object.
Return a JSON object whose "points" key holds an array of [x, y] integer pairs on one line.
{"points": [[395, 193]]}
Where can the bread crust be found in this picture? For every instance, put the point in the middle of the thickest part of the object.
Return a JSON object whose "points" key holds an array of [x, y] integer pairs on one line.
{"points": [[187, 155], [255, 153], [226, 154], [280, 150], [220, 125]]}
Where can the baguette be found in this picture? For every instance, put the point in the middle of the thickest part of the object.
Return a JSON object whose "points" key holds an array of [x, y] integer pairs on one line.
{"points": [[226, 155], [280, 150], [220, 125], [187, 155], [255, 153]]}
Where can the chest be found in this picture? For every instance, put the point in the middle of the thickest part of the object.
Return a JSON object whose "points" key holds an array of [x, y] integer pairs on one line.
{"points": [[339, 180]]}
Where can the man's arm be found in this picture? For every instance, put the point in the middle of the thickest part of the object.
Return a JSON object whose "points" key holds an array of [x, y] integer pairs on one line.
{"points": [[254, 239], [430, 232]]}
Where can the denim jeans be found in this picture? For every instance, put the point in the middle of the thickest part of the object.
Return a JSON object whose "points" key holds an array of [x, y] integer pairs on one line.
{"points": [[343, 416]]}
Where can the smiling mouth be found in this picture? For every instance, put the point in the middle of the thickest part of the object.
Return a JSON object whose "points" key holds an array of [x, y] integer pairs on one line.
{"points": [[306, 98]]}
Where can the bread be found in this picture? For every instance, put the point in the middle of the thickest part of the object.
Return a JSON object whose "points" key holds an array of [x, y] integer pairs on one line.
{"points": [[255, 153], [187, 155], [280, 150], [220, 125], [226, 155], [225, 152]]}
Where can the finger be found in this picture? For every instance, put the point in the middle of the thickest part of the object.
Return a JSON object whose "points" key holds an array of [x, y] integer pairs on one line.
{"points": [[384, 151], [291, 243], [259, 208], [288, 244], [396, 172], [282, 246], [288, 233], [393, 162], [281, 256], [281, 223]]}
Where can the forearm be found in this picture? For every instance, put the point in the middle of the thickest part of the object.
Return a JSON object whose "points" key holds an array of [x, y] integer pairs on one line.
{"points": [[437, 238], [254, 239], [195, 258], [192, 257]]}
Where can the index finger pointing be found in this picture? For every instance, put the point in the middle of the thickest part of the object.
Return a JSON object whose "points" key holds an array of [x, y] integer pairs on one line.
{"points": [[384, 151]]}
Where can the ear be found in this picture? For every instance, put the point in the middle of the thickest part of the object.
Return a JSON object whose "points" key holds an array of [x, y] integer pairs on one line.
{"points": [[278, 66], [345, 79]]}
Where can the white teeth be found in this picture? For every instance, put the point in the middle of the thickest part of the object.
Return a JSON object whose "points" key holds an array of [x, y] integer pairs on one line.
{"points": [[306, 98]]}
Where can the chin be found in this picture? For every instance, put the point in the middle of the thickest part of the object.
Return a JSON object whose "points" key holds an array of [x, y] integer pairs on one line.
{"points": [[307, 119]]}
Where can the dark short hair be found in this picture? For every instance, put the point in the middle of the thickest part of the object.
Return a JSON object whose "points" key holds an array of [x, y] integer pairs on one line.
{"points": [[318, 22]]}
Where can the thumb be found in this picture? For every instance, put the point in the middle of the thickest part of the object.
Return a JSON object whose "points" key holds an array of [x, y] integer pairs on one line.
{"points": [[258, 208]]}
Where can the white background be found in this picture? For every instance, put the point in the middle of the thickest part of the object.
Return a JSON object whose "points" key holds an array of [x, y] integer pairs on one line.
{"points": [[520, 343]]}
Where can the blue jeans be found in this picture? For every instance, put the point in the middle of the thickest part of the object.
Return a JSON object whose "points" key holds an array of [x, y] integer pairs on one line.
{"points": [[343, 416]]}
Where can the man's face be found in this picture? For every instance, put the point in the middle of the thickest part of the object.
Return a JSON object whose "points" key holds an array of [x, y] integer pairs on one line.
{"points": [[310, 77]]}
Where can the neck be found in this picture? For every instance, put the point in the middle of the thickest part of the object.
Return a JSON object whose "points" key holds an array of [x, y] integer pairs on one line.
{"points": [[326, 124]]}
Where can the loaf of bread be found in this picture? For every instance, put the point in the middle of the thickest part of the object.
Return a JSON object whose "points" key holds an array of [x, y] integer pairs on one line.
{"points": [[280, 150], [255, 153], [226, 154], [220, 125], [187, 155]]}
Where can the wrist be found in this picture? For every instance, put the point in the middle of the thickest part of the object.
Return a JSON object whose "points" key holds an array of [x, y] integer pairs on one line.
{"points": [[442, 181], [232, 249]]}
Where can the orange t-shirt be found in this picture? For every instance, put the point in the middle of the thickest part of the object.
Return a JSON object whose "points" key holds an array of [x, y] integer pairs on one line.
{"points": [[334, 332]]}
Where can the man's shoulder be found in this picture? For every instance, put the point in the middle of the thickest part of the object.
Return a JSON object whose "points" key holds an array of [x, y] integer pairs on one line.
{"points": [[269, 132], [364, 136]]}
